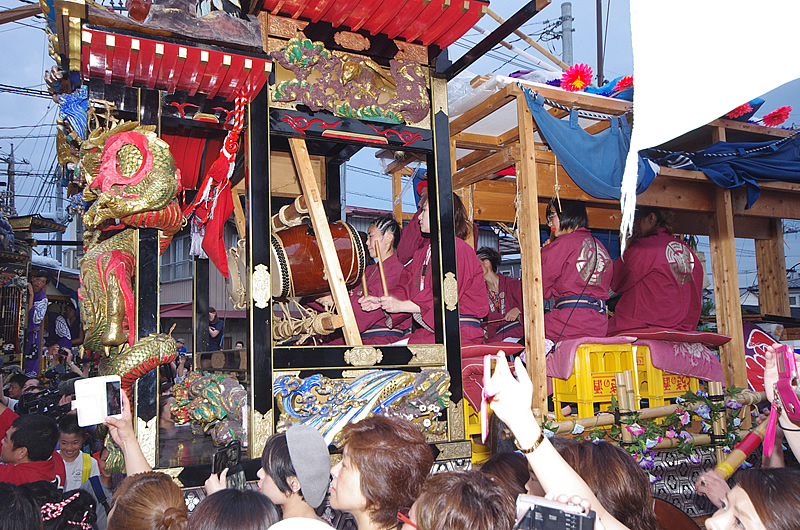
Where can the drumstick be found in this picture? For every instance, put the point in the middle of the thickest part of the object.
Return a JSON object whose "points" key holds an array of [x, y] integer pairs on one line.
{"points": [[364, 284], [380, 269]]}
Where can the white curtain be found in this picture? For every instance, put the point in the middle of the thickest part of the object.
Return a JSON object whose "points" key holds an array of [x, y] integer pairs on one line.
{"points": [[695, 60]]}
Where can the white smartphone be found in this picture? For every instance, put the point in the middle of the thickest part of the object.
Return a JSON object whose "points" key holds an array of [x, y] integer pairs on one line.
{"points": [[97, 398]]}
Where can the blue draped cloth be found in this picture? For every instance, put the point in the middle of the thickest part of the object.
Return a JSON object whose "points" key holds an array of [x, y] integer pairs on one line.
{"points": [[595, 162], [730, 165]]}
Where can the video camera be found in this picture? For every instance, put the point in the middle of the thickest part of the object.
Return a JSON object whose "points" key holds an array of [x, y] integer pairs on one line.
{"points": [[44, 402], [538, 513], [44, 399]]}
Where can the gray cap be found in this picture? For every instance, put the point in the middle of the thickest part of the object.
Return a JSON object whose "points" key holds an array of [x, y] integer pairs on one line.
{"points": [[311, 462]]}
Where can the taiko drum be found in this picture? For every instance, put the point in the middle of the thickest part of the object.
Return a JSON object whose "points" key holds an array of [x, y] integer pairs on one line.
{"points": [[296, 262]]}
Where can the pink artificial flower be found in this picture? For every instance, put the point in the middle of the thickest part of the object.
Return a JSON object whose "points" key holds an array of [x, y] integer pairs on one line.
{"points": [[671, 433], [576, 77], [776, 117], [635, 429], [684, 417], [741, 110], [624, 83]]}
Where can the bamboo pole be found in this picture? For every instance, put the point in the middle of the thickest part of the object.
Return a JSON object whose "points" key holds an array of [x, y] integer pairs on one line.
{"points": [[718, 427], [605, 419], [624, 405]]}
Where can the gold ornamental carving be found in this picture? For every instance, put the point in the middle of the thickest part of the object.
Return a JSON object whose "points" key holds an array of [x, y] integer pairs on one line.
{"points": [[288, 28], [353, 374], [261, 286], [363, 356], [351, 41], [411, 52], [454, 451], [261, 428], [146, 434], [174, 472], [439, 95], [450, 291], [237, 267], [427, 354], [455, 413]]}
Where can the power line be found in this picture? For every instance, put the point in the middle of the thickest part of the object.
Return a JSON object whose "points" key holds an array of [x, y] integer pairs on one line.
{"points": [[10, 89], [26, 126]]}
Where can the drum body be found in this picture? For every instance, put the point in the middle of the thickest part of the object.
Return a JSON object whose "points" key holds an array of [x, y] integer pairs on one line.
{"points": [[296, 262]]}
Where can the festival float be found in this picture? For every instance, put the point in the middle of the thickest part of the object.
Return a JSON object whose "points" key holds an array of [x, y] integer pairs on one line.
{"points": [[199, 113]]}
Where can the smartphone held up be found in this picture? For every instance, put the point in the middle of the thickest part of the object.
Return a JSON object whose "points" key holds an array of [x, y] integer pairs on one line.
{"points": [[97, 398]]}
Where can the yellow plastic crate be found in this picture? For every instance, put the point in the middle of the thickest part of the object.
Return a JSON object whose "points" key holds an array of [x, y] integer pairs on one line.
{"points": [[593, 379], [658, 386], [480, 452]]}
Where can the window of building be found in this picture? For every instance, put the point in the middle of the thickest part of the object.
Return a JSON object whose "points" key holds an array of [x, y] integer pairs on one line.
{"points": [[176, 263], [792, 300]]}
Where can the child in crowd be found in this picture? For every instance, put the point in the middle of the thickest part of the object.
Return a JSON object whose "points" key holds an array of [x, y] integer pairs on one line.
{"points": [[79, 465]]}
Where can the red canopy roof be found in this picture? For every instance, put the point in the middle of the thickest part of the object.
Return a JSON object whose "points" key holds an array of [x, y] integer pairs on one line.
{"points": [[427, 21]]}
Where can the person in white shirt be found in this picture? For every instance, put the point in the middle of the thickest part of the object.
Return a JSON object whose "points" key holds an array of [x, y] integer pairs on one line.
{"points": [[79, 466]]}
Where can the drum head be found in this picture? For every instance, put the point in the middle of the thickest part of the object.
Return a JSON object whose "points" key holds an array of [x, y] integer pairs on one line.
{"points": [[279, 269]]}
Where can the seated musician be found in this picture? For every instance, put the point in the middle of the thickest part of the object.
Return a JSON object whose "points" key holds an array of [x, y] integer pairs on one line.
{"points": [[413, 293], [659, 278], [576, 272], [385, 233], [505, 300]]}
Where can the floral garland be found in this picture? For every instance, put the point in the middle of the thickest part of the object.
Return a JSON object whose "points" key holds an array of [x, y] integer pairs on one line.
{"points": [[647, 433]]}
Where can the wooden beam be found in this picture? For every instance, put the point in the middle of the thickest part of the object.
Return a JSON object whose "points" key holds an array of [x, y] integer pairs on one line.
{"points": [[751, 127], [530, 246], [19, 13], [485, 142], [238, 214], [397, 187], [726, 290], [771, 203], [410, 158], [488, 166], [773, 286], [497, 100], [471, 158], [327, 248], [581, 100]]}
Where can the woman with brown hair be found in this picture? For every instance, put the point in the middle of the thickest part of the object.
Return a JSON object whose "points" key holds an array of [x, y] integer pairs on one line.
{"points": [[148, 501], [461, 499], [762, 499], [384, 464], [510, 471], [621, 486]]}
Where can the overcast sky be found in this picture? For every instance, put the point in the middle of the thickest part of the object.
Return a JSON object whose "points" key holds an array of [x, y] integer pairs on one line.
{"points": [[26, 58]]}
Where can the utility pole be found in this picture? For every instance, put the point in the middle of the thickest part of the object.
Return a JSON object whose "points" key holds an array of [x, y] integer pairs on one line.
{"points": [[60, 214], [9, 196], [566, 33], [600, 52]]}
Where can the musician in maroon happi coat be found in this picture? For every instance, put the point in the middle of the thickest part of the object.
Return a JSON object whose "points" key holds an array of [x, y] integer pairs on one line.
{"points": [[576, 273], [413, 293], [505, 299], [659, 277], [385, 233]]}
